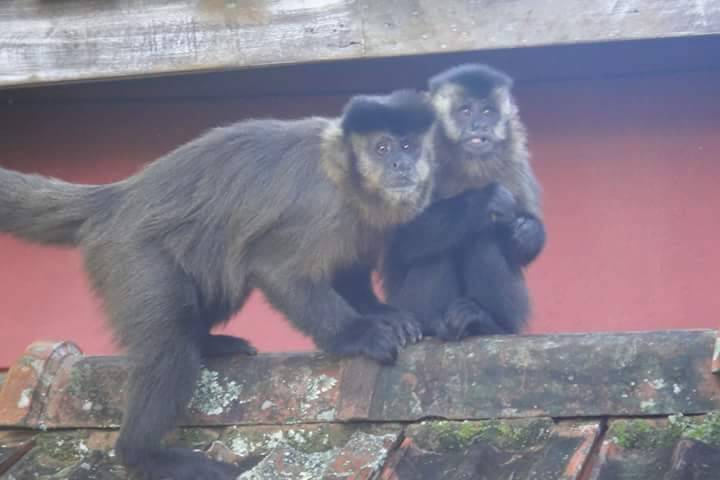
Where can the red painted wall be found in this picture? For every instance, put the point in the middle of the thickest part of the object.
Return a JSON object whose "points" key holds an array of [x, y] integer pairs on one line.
{"points": [[630, 168]]}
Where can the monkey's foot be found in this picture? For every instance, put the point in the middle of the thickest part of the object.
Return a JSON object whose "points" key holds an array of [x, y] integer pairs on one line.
{"points": [[181, 464], [465, 318], [221, 345]]}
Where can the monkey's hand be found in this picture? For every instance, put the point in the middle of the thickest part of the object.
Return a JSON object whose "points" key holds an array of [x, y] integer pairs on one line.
{"points": [[378, 336], [525, 239], [491, 205], [465, 318], [407, 329]]}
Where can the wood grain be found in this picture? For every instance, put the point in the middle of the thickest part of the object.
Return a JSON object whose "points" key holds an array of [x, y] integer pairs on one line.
{"points": [[68, 40]]}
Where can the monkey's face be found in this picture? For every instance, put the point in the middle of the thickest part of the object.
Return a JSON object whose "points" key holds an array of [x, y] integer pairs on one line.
{"points": [[396, 167], [476, 118], [475, 123]]}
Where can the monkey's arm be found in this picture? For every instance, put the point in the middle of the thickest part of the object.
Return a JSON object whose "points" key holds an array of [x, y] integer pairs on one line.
{"points": [[524, 237], [447, 223], [320, 311], [354, 284]]}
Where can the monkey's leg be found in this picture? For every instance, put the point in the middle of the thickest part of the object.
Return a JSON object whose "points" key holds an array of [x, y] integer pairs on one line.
{"points": [[496, 286], [216, 345], [159, 388], [465, 318], [426, 289], [321, 312], [151, 305]]}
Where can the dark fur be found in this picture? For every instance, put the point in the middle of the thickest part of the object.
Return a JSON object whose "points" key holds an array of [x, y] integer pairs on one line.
{"points": [[174, 250], [459, 266], [477, 79], [400, 116]]}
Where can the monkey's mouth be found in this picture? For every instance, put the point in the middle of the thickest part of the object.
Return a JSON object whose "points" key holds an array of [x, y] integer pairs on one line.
{"points": [[400, 187], [403, 185], [478, 141], [478, 144]]}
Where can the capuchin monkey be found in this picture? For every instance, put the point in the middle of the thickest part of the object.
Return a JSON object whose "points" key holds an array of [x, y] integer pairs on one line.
{"points": [[283, 206], [459, 266]]}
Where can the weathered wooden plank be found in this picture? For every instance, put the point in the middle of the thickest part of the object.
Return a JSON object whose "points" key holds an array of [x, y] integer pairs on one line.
{"points": [[526, 65], [77, 39], [630, 374], [406, 27], [624, 374], [44, 42]]}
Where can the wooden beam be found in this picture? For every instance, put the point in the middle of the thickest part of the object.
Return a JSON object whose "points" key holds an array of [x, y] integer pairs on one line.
{"points": [[69, 40], [560, 376]]}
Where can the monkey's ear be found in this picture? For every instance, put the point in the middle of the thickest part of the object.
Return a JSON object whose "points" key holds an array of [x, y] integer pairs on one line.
{"points": [[476, 78], [400, 113]]}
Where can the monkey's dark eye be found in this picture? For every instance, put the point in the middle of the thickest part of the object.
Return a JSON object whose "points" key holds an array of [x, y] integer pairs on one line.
{"points": [[488, 110], [466, 110], [406, 146], [382, 148]]}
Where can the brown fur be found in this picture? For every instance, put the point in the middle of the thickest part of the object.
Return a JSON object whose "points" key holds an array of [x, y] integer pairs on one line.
{"points": [[175, 250]]}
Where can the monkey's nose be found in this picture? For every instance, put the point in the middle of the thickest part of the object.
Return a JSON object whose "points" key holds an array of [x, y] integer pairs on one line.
{"points": [[402, 166], [478, 126]]}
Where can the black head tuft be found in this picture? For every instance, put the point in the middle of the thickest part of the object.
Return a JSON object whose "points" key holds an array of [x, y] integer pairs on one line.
{"points": [[399, 113], [476, 78]]}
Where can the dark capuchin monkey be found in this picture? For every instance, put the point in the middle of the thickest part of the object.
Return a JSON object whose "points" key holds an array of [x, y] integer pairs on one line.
{"points": [[459, 266], [283, 206]]}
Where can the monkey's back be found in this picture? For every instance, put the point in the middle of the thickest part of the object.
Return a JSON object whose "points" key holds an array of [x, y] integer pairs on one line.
{"points": [[244, 191], [228, 172]]}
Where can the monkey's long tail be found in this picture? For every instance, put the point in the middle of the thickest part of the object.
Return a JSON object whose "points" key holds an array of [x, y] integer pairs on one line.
{"points": [[47, 210]]}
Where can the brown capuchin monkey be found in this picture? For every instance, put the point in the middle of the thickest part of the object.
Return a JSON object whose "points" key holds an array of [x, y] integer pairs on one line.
{"points": [[282, 206], [459, 266]]}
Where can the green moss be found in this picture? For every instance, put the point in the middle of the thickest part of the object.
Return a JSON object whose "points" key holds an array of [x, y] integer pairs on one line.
{"points": [[197, 438], [642, 434], [704, 429], [449, 435], [65, 448]]}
